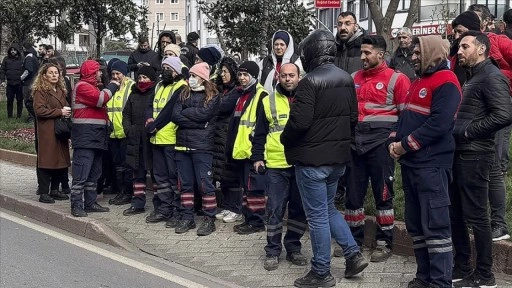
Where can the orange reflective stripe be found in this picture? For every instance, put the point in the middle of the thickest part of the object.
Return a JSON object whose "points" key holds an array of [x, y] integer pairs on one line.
{"points": [[419, 109]]}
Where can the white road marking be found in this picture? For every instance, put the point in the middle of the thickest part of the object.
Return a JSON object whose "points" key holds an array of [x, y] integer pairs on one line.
{"points": [[105, 253]]}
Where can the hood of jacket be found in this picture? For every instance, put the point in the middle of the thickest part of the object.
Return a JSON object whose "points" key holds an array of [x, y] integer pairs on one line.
{"points": [[317, 49], [162, 34], [232, 66], [290, 48], [88, 71], [434, 50], [17, 48]]}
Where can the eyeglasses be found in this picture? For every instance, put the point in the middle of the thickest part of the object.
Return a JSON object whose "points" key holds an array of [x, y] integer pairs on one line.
{"points": [[346, 24]]}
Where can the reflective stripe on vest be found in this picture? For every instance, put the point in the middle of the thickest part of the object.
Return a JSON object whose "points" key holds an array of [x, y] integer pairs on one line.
{"points": [[277, 111], [115, 109], [166, 135], [242, 147], [389, 106]]}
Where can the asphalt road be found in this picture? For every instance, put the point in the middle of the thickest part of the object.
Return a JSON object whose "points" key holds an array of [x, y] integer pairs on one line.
{"points": [[32, 255]]}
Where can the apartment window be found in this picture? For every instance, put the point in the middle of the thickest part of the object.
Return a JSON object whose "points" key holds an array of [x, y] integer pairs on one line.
{"points": [[159, 1], [83, 40], [175, 16], [363, 11], [404, 5], [174, 1], [145, 3], [351, 6], [159, 16]]}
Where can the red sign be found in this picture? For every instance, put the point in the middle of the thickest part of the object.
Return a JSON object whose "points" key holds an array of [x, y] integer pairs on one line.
{"points": [[327, 3]]}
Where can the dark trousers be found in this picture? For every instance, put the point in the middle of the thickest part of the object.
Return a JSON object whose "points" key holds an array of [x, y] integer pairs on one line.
{"points": [[166, 201], [108, 174], [196, 168], [504, 152], [27, 97], [427, 220], [117, 149], [139, 185], [61, 177], [497, 188], [86, 171], [253, 199], [469, 195], [377, 166], [283, 192], [232, 198], [14, 92], [45, 177]]}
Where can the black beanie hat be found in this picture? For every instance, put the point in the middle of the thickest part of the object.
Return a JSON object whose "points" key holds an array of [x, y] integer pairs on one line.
{"points": [[250, 67], [209, 55], [468, 19], [192, 36], [283, 36], [148, 71]]}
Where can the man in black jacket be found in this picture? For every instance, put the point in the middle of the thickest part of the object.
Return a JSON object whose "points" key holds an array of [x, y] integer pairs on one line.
{"points": [[348, 42], [10, 73], [485, 109], [142, 56], [30, 67], [402, 59], [316, 140], [189, 51]]}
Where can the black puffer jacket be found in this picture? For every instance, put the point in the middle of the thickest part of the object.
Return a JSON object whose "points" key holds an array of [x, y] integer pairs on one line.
{"points": [[12, 67], [139, 56], [196, 122], [133, 124], [324, 114], [348, 54], [486, 107]]}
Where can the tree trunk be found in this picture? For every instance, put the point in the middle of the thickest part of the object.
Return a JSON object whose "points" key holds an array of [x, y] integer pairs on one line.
{"points": [[383, 22], [412, 16], [264, 31]]}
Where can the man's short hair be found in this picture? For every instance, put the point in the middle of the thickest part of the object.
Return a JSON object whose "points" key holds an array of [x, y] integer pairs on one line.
{"points": [[143, 39], [49, 47], [507, 17], [480, 38], [40, 45], [484, 11], [376, 41], [346, 14], [405, 30]]}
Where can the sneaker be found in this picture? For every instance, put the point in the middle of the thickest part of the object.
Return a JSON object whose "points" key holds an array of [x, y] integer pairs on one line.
{"points": [[297, 258], [55, 194], [238, 226], [78, 211], [250, 229], [417, 283], [96, 208], [184, 226], [222, 214], [380, 254], [271, 263], [355, 265], [313, 280], [458, 274], [172, 222], [115, 199], [155, 217], [232, 217], [474, 280], [45, 198], [338, 251], [500, 233], [207, 227], [133, 211]]}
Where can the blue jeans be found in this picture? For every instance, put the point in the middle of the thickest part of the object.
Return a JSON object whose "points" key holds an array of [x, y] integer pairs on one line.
{"points": [[317, 187]]}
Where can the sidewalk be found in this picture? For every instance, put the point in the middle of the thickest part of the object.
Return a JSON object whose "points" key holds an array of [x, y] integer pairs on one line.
{"points": [[224, 254]]}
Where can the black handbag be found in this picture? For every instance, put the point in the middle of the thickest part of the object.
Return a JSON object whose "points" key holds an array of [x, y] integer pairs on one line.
{"points": [[63, 128]]}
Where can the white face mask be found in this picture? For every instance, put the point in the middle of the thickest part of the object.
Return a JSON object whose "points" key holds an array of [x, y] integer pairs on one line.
{"points": [[193, 82]]}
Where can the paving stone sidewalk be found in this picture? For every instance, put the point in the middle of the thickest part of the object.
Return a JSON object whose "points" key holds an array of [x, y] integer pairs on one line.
{"points": [[224, 254]]}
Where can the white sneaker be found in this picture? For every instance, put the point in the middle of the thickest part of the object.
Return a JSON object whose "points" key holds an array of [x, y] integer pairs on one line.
{"points": [[233, 217], [222, 214]]}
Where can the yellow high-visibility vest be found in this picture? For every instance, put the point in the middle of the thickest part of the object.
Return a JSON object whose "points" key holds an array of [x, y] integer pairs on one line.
{"points": [[277, 111], [243, 145], [115, 108], [166, 135]]}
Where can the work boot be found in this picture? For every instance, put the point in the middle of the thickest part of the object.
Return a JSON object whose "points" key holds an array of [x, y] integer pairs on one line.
{"points": [[115, 199], [123, 200], [78, 211], [45, 198], [172, 222], [55, 194], [133, 211], [271, 262], [417, 283], [380, 254], [249, 229], [355, 265], [313, 280], [155, 217], [96, 208], [184, 226], [207, 227], [297, 258], [238, 226]]}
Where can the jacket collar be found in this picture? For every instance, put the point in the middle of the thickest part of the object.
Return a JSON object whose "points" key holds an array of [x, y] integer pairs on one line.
{"points": [[376, 70], [478, 67], [285, 92]]}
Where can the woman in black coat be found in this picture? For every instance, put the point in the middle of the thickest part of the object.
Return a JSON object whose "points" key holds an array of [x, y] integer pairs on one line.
{"points": [[138, 152], [223, 171]]}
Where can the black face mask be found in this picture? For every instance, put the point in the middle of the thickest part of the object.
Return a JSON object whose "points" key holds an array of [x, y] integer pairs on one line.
{"points": [[167, 77]]}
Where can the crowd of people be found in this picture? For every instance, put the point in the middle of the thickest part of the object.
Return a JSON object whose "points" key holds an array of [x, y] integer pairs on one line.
{"points": [[307, 126]]}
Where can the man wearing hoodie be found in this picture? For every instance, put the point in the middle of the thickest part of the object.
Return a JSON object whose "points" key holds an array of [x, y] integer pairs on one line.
{"points": [[142, 56], [10, 73], [239, 145], [424, 146], [30, 67], [348, 43], [283, 52], [89, 136]]}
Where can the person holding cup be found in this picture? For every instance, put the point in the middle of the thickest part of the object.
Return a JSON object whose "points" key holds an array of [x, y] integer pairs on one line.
{"points": [[49, 101]]}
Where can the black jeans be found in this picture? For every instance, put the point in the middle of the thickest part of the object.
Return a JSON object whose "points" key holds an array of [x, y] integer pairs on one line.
{"points": [[469, 196], [497, 189], [504, 160], [14, 92]]}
